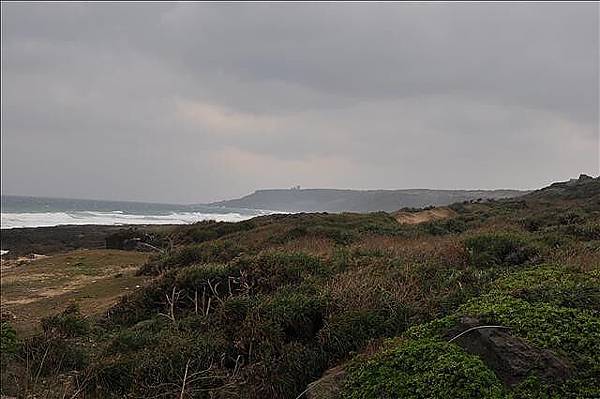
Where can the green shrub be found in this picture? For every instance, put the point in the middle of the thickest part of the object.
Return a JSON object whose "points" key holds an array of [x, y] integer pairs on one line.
{"points": [[53, 355], [210, 230], [588, 231], [554, 285], [131, 340], [488, 250], [290, 315], [572, 216], [206, 252], [433, 329], [285, 375], [458, 207], [198, 277], [112, 377], [298, 315], [554, 239], [232, 314], [342, 229], [443, 227], [422, 369], [266, 273], [340, 236], [8, 342], [139, 305], [351, 330], [341, 259], [386, 229], [8, 338], [67, 324], [126, 238], [291, 235], [166, 361], [158, 369], [575, 331]]}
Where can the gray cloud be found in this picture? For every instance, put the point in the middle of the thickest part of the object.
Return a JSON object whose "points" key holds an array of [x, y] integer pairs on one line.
{"points": [[196, 101]]}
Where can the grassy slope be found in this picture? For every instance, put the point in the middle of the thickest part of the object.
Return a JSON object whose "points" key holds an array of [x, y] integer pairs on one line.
{"points": [[263, 307]]}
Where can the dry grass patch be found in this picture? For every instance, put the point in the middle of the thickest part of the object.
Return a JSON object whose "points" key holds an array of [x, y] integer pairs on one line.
{"points": [[94, 279], [368, 288], [446, 250], [317, 246]]}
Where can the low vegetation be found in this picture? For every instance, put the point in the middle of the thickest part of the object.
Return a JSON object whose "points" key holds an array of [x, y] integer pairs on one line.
{"points": [[261, 309]]}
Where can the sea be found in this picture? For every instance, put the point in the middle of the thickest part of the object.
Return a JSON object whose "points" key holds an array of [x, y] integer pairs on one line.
{"points": [[17, 212]]}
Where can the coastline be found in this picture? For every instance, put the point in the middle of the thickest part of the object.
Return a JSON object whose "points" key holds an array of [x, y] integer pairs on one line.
{"points": [[50, 240]]}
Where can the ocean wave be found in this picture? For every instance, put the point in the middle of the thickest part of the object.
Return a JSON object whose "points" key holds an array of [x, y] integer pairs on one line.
{"points": [[47, 219]]}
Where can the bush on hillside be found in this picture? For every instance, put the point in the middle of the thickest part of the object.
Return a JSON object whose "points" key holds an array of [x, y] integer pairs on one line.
{"points": [[158, 369], [289, 315], [52, 355], [8, 337], [210, 230], [422, 369], [67, 324], [500, 249], [206, 252]]}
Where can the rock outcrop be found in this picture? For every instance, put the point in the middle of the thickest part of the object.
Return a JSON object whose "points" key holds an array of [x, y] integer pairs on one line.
{"points": [[512, 358]]}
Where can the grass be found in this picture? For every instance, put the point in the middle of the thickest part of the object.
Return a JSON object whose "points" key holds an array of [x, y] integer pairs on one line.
{"points": [[94, 279]]}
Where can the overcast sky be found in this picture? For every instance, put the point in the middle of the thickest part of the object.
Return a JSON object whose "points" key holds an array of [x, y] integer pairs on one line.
{"points": [[199, 102]]}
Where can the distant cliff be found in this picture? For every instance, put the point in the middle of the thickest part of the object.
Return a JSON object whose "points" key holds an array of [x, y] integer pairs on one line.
{"points": [[329, 200]]}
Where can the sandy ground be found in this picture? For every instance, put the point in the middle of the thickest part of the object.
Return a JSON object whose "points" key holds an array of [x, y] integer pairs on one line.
{"points": [[33, 288], [424, 216]]}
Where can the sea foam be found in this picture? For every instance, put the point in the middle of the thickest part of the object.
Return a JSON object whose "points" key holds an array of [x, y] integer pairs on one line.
{"points": [[46, 219]]}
